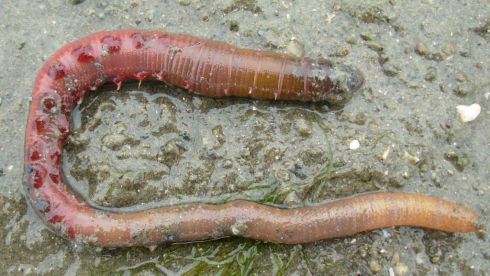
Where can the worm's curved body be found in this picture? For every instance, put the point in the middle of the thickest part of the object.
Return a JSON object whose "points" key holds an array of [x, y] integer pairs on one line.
{"points": [[213, 69]]}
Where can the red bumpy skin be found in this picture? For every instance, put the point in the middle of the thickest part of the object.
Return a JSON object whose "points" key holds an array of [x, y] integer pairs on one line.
{"points": [[213, 69]]}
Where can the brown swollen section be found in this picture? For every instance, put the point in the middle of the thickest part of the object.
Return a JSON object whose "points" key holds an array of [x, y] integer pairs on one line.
{"points": [[215, 69]]}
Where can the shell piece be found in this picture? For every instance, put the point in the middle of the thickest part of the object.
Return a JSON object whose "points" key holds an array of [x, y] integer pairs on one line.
{"points": [[468, 113]]}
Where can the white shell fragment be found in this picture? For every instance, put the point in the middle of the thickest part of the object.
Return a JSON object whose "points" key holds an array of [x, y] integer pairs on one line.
{"points": [[354, 145], [468, 113]]}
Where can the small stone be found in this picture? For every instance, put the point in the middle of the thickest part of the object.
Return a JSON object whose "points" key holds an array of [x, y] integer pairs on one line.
{"points": [[218, 134], [462, 162], [390, 70], [302, 126], [283, 175], [396, 257], [292, 200], [245, 153], [234, 27], [401, 269], [329, 18], [460, 76], [354, 145], [449, 123], [360, 118], [115, 141], [227, 163], [464, 89], [374, 266], [386, 153], [431, 74], [421, 49], [207, 142], [420, 258], [458, 159], [295, 49], [149, 17], [351, 38], [468, 113], [172, 147], [412, 158]]}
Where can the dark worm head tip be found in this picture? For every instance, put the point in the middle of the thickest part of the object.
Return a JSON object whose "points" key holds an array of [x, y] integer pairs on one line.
{"points": [[345, 81], [350, 77]]}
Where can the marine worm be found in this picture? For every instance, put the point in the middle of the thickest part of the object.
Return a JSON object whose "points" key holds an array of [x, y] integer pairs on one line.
{"points": [[215, 69]]}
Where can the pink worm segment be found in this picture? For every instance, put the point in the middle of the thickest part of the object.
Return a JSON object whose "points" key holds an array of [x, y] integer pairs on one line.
{"points": [[198, 65]]}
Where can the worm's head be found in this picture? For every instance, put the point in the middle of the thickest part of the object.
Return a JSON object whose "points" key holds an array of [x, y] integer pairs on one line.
{"points": [[344, 81]]}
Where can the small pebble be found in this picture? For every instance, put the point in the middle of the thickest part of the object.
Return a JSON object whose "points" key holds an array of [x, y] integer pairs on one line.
{"points": [[227, 164], [292, 200], [115, 141], [468, 113], [149, 15], [449, 123], [401, 269], [420, 258], [412, 158], [351, 38], [464, 89], [396, 257], [245, 153], [431, 74], [374, 266], [354, 145], [207, 142], [421, 49], [283, 175], [234, 27], [386, 153], [329, 18], [302, 126], [295, 49]]}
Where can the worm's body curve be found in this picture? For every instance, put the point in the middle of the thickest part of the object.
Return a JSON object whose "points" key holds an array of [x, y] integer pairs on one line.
{"points": [[214, 69]]}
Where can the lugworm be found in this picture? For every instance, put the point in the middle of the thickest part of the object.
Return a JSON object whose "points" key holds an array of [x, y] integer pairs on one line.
{"points": [[213, 69]]}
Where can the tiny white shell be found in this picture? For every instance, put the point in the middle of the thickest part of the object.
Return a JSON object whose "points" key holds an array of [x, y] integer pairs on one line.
{"points": [[468, 113]]}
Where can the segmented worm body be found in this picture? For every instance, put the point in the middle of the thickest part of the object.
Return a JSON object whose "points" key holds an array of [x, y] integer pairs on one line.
{"points": [[215, 69]]}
